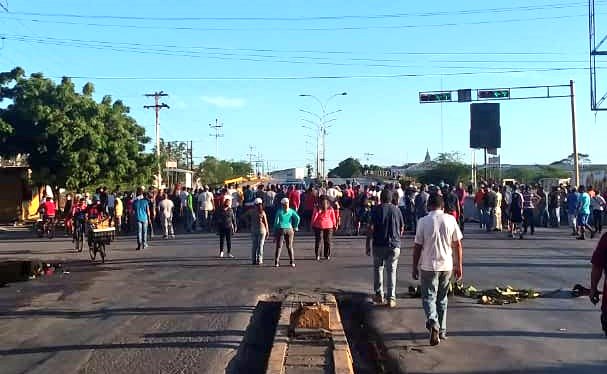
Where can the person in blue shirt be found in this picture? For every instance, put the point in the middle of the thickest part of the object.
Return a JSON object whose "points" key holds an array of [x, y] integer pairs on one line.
{"points": [[141, 210], [584, 214], [572, 200]]}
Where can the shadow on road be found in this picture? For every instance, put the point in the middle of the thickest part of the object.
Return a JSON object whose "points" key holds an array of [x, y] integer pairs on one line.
{"points": [[112, 312], [254, 351]]}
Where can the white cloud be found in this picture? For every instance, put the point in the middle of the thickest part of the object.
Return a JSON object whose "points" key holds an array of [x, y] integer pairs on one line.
{"points": [[224, 102]]}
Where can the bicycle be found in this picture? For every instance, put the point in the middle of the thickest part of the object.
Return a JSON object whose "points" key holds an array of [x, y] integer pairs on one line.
{"points": [[79, 235], [46, 227], [97, 241]]}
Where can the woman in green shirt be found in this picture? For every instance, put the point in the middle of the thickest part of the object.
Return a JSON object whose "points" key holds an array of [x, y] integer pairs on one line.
{"points": [[285, 225]]}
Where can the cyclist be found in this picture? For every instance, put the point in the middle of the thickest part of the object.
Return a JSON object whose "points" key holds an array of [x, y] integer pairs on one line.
{"points": [[48, 210], [79, 213]]}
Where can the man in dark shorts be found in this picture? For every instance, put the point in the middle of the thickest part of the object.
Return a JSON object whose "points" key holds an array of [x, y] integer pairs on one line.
{"points": [[599, 269]]}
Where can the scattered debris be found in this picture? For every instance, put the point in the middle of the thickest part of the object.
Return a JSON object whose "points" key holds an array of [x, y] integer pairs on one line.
{"points": [[496, 296]]}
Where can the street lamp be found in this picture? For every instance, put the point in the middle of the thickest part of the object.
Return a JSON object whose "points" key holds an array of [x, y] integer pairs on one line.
{"points": [[322, 128]]}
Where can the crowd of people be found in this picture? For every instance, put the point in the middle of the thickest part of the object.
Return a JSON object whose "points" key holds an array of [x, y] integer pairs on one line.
{"points": [[383, 213]]}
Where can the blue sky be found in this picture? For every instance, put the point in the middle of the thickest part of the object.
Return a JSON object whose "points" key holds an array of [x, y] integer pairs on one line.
{"points": [[236, 40]]}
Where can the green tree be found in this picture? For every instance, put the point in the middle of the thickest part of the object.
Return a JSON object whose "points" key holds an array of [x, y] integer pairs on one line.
{"points": [[583, 159], [69, 139], [214, 171], [348, 168]]}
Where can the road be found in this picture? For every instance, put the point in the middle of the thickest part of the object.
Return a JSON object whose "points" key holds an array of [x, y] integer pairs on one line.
{"points": [[178, 308]]}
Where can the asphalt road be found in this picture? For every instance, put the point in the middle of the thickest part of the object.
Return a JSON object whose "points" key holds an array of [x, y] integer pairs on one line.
{"points": [[178, 308]]}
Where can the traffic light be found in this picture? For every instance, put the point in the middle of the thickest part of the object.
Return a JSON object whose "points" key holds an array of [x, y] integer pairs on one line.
{"points": [[430, 97], [493, 94]]}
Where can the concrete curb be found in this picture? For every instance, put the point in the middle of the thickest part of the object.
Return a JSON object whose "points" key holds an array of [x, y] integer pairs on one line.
{"points": [[276, 362], [341, 355]]}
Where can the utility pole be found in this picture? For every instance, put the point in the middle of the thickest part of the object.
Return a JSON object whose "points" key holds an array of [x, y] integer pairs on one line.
{"points": [[576, 161], [157, 107], [251, 155], [217, 126]]}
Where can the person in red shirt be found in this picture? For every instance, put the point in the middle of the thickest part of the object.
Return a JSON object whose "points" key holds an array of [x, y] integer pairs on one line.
{"points": [[48, 209], [324, 222], [310, 199], [599, 269], [294, 198]]}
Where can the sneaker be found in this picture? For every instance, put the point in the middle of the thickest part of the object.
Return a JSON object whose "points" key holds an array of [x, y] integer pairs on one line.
{"points": [[145, 246], [230, 255], [276, 265], [172, 236], [328, 258], [317, 258], [442, 335], [164, 237], [391, 303], [138, 248], [434, 336], [378, 300], [221, 254], [292, 264]]}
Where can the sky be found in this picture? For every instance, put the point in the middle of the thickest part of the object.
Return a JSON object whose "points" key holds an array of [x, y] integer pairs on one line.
{"points": [[246, 63]]}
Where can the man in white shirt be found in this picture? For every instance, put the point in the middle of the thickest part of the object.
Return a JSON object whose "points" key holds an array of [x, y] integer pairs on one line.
{"points": [[206, 207], [165, 211], [437, 235], [333, 193]]}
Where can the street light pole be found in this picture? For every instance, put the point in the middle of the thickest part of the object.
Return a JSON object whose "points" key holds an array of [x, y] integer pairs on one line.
{"points": [[322, 131]]}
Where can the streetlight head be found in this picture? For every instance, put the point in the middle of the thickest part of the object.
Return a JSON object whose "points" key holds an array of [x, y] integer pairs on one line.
{"points": [[303, 95], [344, 94]]}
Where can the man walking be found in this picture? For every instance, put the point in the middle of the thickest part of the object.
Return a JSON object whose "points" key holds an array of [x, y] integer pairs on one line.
{"points": [[165, 210], [386, 228], [572, 200], [584, 214], [437, 235], [141, 208]]}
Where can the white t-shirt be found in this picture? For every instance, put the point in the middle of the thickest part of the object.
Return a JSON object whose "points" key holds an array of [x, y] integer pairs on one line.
{"points": [[235, 198], [333, 194], [435, 233], [207, 201], [165, 208], [401, 196]]}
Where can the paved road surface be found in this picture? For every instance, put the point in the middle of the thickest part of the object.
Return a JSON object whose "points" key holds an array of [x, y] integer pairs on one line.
{"points": [[177, 308]]}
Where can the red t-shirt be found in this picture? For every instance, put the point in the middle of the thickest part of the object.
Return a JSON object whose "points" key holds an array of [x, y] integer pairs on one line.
{"points": [[49, 208], [599, 258], [309, 201], [294, 199]]}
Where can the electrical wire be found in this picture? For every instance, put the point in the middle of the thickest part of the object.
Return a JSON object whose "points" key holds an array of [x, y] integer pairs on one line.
{"points": [[525, 8], [315, 77], [278, 29]]}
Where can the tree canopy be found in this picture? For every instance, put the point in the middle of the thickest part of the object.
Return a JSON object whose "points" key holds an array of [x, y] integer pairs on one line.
{"points": [[69, 139], [214, 171], [583, 159], [348, 168]]}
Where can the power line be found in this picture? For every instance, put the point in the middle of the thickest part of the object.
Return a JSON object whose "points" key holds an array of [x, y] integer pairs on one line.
{"points": [[298, 60], [151, 46], [314, 77], [312, 18], [275, 29]]}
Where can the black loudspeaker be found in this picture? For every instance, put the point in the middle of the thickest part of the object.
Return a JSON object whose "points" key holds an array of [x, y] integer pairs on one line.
{"points": [[485, 130]]}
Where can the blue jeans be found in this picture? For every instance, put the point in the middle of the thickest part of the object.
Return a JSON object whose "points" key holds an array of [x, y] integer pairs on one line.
{"points": [[388, 257], [488, 218], [259, 240], [435, 286], [142, 234], [481, 217]]}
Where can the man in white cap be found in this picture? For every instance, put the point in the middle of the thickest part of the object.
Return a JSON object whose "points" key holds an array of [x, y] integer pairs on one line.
{"points": [[259, 231], [286, 223]]}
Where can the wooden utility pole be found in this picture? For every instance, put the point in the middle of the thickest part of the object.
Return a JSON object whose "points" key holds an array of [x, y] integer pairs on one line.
{"points": [[576, 161], [157, 106]]}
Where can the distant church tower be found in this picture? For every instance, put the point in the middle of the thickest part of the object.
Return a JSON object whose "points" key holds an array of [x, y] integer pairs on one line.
{"points": [[427, 158]]}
